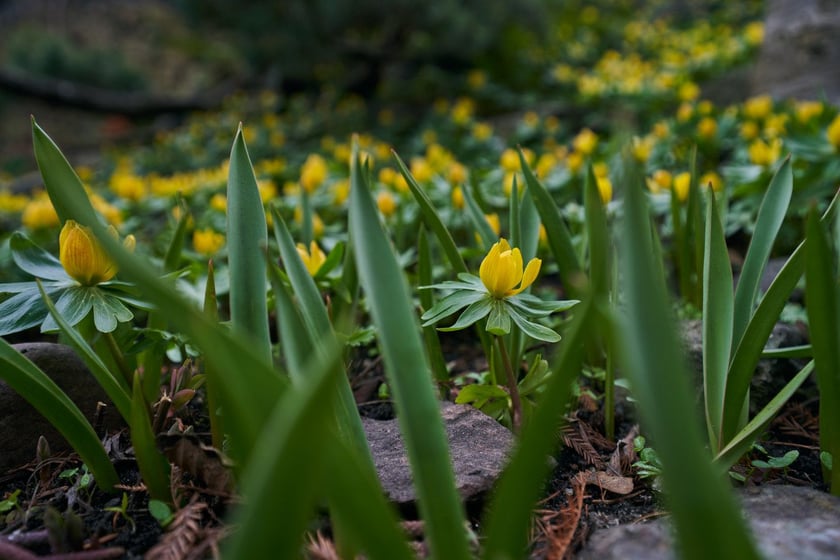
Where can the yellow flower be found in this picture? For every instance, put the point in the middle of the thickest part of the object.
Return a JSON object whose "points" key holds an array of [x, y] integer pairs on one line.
{"points": [[605, 188], [82, 256], [681, 184], [758, 107], [207, 242], [457, 173], [501, 271], [457, 197], [765, 154], [585, 142], [387, 176], [312, 259], [218, 202], [509, 160], [642, 147], [689, 91], [482, 131], [833, 132], [313, 172], [340, 191], [749, 130], [12, 202], [476, 79], [713, 179], [386, 203], [754, 33], [421, 169], [660, 181], [707, 128], [493, 220], [807, 110], [39, 213]]}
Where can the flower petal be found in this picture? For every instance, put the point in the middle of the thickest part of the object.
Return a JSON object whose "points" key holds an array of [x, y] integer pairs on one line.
{"points": [[531, 272]]}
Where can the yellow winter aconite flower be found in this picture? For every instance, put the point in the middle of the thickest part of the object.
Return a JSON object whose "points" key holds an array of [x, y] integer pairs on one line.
{"points": [[509, 160], [457, 197], [605, 188], [313, 172], [421, 169], [313, 259], [681, 184], [207, 242], [833, 132], [482, 131], [758, 107], [585, 142], [39, 213], [457, 173], [707, 128], [501, 271], [82, 256], [660, 181], [807, 110], [762, 153], [713, 179], [386, 203]]}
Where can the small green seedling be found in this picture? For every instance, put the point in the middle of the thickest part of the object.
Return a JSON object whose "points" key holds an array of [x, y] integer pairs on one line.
{"points": [[764, 466], [122, 511], [825, 459], [648, 465], [80, 476], [10, 502]]}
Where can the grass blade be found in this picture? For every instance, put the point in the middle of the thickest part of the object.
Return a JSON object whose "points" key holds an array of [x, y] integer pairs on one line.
{"points": [[247, 240], [717, 320], [407, 369], [698, 497], [771, 214], [823, 305], [154, 468], [430, 335], [559, 238]]}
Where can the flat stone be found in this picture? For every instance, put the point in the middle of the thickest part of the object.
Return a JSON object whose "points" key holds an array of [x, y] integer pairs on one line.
{"points": [[478, 446], [786, 521], [21, 424]]}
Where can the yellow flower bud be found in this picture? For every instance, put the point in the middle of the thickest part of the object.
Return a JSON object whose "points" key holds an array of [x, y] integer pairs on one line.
{"points": [[501, 271], [386, 203], [207, 242], [312, 259], [833, 132], [681, 184], [83, 257]]}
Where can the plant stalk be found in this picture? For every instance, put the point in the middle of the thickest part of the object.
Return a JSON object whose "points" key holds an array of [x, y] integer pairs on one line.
{"points": [[513, 387]]}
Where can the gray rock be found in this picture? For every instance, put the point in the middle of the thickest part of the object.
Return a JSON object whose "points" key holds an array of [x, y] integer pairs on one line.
{"points": [[786, 521], [478, 445], [770, 375], [21, 424], [800, 51]]}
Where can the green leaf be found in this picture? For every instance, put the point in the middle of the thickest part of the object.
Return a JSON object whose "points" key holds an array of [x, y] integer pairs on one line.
{"points": [[108, 311], [247, 239], [30, 258], [598, 234], [408, 374], [47, 398], [430, 335], [432, 220], [61, 181], [507, 521], [717, 321], [474, 312], [482, 226], [498, 321], [559, 238], [450, 304], [771, 214], [247, 386], [743, 440], [23, 311], [154, 468], [534, 330], [114, 386], [699, 500], [823, 306]]}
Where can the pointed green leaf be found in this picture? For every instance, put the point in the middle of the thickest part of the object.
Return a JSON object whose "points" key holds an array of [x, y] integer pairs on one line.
{"points": [[32, 259], [247, 239], [154, 468]]}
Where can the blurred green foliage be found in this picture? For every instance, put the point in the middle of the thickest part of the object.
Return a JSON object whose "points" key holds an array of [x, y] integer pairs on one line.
{"points": [[44, 54]]}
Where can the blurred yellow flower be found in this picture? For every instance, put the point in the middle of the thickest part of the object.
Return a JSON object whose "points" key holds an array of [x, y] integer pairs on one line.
{"points": [[689, 91], [313, 172], [681, 185], [493, 220], [39, 212], [754, 33], [685, 111], [457, 197], [421, 170], [207, 242], [833, 132], [574, 161], [509, 160], [83, 257], [12, 203], [463, 110], [585, 142], [762, 153], [713, 179], [386, 202], [482, 131], [807, 110], [457, 173], [312, 259], [758, 107], [660, 181], [340, 191], [387, 176], [749, 130], [707, 128], [605, 188], [642, 147], [501, 271], [267, 189], [476, 79], [218, 202]]}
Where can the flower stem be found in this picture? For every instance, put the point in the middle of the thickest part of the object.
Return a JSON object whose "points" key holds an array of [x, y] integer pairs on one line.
{"points": [[513, 388], [114, 348]]}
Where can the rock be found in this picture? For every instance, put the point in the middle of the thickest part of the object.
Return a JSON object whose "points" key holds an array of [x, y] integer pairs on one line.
{"points": [[787, 522], [800, 51], [478, 445], [21, 424], [770, 375]]}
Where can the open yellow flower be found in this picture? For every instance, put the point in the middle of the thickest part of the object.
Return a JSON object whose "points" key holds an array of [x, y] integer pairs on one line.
{"points": [[501, 270], [312, 259], [82, 256]]}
